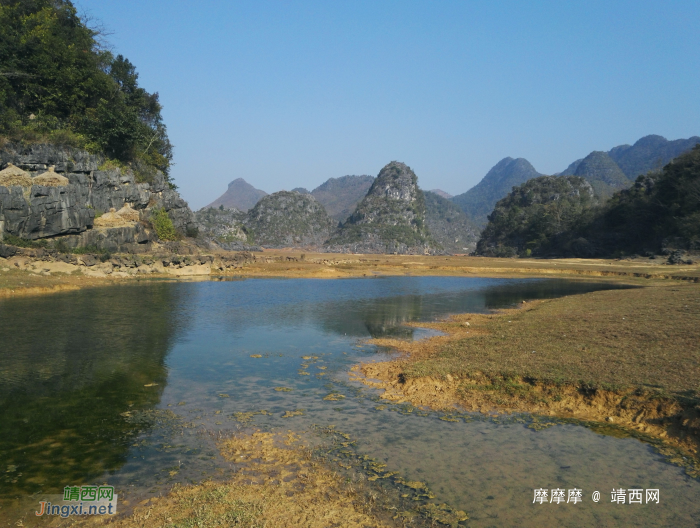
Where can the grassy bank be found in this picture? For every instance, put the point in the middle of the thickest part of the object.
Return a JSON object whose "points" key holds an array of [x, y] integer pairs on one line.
{"points": [[626, 357], [23, 275]]}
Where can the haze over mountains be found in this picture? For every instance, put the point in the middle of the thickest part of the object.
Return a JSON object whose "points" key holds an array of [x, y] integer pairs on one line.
{"points": [[607, 172], [340, 196], [440, 220], [478, 202], [240, 195]]}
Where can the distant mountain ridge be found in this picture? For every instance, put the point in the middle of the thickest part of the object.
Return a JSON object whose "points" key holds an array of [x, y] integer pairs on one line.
{"points": [[648, 153], [341, 195], [607, 172], [448, 224], [478, 202], [617, 168], [601, 171], [240, 195], [440, 192]]}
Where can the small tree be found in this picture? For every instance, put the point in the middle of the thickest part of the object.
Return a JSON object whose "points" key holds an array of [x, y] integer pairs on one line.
{"points": [[163, 225]]}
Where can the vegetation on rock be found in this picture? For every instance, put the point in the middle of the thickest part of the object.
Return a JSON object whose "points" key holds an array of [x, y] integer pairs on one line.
{"points": [[222, 225], [285, 219], [448, 224], [529, 220], [604, 175], [479, 201], [163, 225], [558, 216], [391, 218], [59, 85]]}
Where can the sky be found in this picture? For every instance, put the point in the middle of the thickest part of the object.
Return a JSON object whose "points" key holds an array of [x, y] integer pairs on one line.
{"points": [[290, 93]]}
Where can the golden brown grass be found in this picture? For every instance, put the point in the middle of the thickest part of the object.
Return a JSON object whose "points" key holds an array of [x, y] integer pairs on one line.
{"points": [[16, 282], [289, 263], [279, 484], [631, 357], [295, 264]]}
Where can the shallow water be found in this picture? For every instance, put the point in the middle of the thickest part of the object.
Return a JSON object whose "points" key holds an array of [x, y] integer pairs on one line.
{"points": [[128, 384]]}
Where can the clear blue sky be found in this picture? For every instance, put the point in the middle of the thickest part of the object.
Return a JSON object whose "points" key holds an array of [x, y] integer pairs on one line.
{"points": [[291, 93]]}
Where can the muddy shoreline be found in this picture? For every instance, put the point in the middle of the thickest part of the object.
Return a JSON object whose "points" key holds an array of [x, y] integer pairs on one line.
{"points": [[35, 273], [433, 372]]}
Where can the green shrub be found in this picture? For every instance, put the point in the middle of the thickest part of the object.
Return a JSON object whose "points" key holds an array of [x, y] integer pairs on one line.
{"points": [[60, 85], [112, 164], [12, 240], [163, 225]]}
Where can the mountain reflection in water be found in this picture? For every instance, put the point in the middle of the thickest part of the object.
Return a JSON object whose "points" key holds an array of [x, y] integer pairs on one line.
{"points": [[72, 365], [82, 373]]}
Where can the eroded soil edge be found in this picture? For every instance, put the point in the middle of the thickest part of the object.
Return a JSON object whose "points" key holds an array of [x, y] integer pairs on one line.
{"points": [[589, 357]]}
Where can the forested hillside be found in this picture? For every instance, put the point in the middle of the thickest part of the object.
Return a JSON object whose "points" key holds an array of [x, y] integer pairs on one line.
{"points": [[557, 216], [59, 85]]}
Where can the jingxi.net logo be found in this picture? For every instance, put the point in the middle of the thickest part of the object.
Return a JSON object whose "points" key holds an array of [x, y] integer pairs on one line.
{"points": [[80, 500]]}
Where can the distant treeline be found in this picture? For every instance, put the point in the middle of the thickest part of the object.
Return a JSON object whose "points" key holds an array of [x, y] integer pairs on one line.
{"points": [[561, 216], [58, 84]]}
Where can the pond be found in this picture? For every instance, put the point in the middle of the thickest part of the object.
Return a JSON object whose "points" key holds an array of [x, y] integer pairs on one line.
{"points": [[130, 385]]}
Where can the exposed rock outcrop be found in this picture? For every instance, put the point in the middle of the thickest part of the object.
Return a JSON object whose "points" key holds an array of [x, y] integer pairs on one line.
{"points": [[288, 219], [37, 158], [64, 201], [223, 226], [390, 219]]}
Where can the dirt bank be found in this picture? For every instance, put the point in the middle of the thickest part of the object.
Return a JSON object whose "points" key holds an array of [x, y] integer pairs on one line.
{"points": [[33, 272], [628, 358]]}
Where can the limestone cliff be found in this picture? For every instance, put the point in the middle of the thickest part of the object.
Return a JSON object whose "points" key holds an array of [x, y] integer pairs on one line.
{"points": [[49, 209], [288, 219], [390, 219]]}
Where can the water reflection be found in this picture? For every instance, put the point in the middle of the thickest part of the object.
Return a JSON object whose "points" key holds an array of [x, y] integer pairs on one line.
{"points": [[371, 307], [76, 369], [72, 367]]}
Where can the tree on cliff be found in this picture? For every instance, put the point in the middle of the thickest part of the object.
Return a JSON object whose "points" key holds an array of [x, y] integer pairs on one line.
{"points": [[59, 85]]}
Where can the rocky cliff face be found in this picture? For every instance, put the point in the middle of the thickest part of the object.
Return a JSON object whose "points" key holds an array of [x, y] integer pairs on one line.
{"points": [[449, 226], [288, 219], [390, 219], [40, 211]]}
